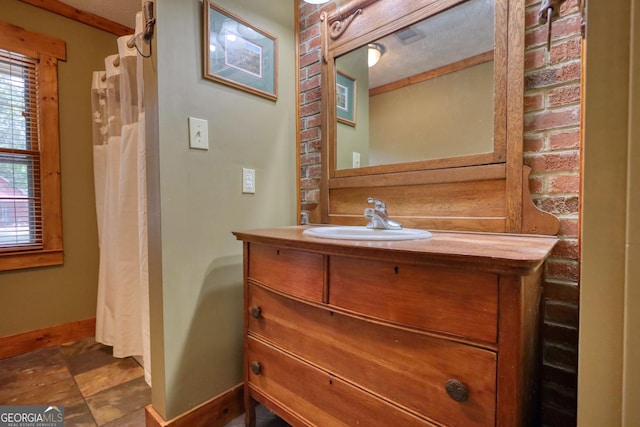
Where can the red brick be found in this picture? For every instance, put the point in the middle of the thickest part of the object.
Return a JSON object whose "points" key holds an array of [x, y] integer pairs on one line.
{"points": [[311, 196], [534, 58], [310, 109], [310, 70], [564, 379], [312, 32], [563, 397], [567, 25], [533, 102], [315, 43], [536, 36], [561, 313], [561, 357], [569, 227], [569, 7], [564, 401], [310, 84], [570, 72], [554, 161], [561, 291], [309, 58], [310, 14], [550, 119], [562, 205], [313, 121], [310, 134], [564, 95], [314, 171], [560, 336], [556, 416], [536, 184], [563, 183], [313, 146], [306, 184], [531, 18], [566, 50], [567, 248], [541, 78], [564, 139], [533, 143], [311, 95], [563, 270]]}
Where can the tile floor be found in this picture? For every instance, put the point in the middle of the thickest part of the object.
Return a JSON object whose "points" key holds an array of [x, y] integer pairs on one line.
{"points": [[95, 388]]}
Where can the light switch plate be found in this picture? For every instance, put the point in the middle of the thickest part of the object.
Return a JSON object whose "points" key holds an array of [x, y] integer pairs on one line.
{"points": [[356, 159], [198, 133], [248, 181]]}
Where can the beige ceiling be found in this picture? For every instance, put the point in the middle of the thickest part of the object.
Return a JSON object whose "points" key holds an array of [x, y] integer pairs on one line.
{"points": [[120, 11]]}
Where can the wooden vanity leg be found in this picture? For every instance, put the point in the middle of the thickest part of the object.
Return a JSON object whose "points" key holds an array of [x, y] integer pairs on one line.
{"points": [[250, 410]]}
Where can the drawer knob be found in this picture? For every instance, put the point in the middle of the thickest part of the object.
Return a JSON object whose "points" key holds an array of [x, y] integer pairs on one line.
{"points": [[256, 312], [256, 368], [456, 390]]}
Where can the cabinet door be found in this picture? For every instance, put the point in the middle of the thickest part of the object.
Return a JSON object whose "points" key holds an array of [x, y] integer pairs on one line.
{"points": [[315, 396], [414, 370], [454, 301], [297, 273]]}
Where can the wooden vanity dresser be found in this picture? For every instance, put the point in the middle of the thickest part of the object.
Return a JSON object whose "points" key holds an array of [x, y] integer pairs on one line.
{"points": [[433, 332]]}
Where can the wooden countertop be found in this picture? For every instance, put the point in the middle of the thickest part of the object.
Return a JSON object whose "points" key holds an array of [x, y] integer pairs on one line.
{"points": [[493, 252]]}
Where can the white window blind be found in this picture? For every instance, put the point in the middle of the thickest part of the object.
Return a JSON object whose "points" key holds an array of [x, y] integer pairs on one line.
{"points": [[20, 195]]}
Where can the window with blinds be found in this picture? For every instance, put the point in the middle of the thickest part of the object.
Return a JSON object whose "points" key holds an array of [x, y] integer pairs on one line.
{"points": [[20, 193], [30, 186]]}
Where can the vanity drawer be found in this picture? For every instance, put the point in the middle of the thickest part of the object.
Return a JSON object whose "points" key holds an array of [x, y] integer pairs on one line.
{"points": [[410, 368], [316, 396], [453, 301], [295, 272]]}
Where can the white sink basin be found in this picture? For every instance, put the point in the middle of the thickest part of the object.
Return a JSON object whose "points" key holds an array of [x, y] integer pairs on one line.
{"points": [[364, 233]]}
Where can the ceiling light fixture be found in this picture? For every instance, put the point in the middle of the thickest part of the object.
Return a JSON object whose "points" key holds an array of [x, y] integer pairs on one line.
{"points": [[375, 52]]}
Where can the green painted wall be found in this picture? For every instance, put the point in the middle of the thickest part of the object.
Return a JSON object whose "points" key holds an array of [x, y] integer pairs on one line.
{"points": [[448, 116], [38, 298], [195, 198], [355, 138]]}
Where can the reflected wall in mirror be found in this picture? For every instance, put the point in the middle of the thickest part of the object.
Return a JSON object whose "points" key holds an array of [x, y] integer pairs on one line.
{"points": [[431, 94]]}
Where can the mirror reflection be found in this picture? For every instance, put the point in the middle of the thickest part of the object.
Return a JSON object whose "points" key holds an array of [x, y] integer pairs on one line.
{"points": [[423, 92]]}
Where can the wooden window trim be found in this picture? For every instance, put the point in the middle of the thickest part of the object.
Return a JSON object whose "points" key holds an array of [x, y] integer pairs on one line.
{"points": [[49, 50]]}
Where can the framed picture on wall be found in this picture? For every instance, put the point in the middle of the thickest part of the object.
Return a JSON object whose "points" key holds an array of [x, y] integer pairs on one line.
{"points": [[345, 98], [239, 54]]}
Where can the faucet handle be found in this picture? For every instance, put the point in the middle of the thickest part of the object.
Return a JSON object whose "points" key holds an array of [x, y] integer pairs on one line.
{"points": [[378, 205]]}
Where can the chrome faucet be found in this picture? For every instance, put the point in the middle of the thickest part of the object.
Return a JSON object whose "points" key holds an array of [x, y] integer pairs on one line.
{"points": [[378, 218]]}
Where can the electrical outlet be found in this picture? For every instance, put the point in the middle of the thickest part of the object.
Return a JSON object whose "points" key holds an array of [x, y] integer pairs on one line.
{"points": [[356, 159], [198, 133], [248, 181]]}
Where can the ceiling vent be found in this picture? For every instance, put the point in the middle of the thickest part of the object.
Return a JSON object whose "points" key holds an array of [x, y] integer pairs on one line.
{"points": [[409, 35]]}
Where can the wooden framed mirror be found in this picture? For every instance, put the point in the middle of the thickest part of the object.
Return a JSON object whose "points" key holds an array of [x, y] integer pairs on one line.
{"points": [[438, 128]]}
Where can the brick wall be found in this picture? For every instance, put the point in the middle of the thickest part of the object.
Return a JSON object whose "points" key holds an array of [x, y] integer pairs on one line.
{"points": [[551, 148]]}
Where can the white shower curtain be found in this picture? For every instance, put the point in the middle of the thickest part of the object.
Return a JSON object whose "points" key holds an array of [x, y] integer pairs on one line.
{"points": [[122, 317]]}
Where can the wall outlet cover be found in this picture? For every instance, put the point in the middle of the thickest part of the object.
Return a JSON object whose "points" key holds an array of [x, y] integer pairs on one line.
{"points": [[248, 181]]}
